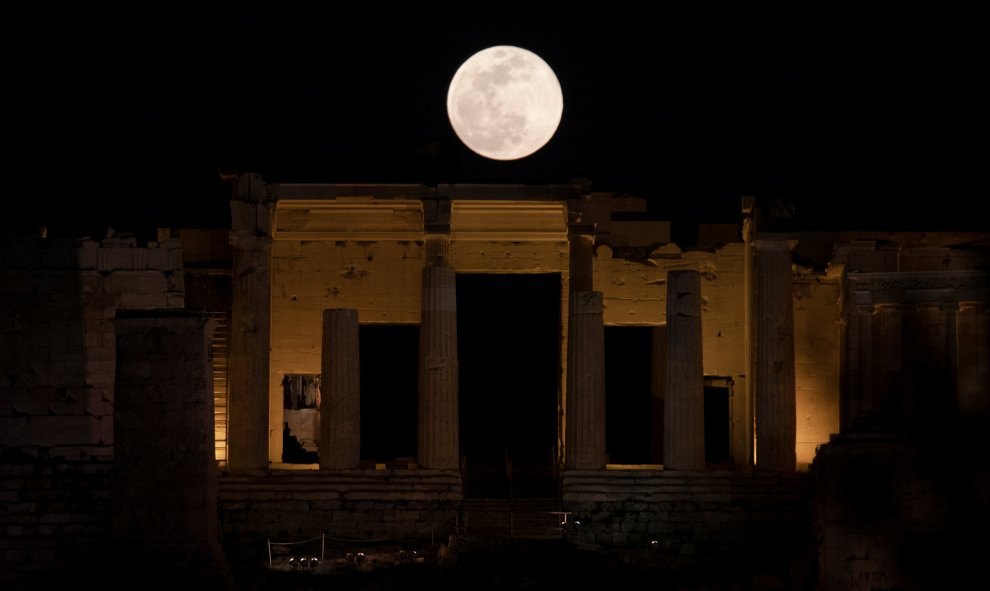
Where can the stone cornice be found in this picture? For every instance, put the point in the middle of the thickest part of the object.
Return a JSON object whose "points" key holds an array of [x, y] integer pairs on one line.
{"points": [[917, 287]]}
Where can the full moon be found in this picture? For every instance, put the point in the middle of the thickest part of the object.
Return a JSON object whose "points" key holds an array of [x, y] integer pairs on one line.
{"points": [[504, 102]]}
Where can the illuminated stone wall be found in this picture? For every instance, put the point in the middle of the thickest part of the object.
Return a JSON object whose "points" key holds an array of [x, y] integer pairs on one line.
{"points": [[366, 254], [816, 362], [379, 279]]}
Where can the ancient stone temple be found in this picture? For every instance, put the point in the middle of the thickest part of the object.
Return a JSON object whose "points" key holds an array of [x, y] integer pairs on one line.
{"points": [[409, 361]]}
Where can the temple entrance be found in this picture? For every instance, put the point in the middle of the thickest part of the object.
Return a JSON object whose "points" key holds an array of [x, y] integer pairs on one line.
{"points": [[718, 427], [628, 401], [508, 331]]}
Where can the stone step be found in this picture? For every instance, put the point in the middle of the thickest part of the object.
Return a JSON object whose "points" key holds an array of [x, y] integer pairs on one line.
{"points": [[533, 518], [536, 519]]}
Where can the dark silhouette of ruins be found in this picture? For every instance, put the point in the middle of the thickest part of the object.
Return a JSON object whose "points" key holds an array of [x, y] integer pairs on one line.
{"points": [[436, 365]]}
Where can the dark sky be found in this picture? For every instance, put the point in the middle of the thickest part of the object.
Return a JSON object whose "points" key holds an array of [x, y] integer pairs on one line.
{"points": [[861, 118]]}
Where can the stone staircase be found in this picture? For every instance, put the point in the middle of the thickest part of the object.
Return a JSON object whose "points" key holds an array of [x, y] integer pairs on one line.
{"points": [[529, 518]]}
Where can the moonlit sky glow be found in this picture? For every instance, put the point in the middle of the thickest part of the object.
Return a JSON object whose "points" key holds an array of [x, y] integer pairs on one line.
{"points": [[859, 115], [504, 102]]}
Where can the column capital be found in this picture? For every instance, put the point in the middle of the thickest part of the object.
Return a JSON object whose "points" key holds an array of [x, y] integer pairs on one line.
{"points": [[949, 305], [250, 218], [436, 247]]}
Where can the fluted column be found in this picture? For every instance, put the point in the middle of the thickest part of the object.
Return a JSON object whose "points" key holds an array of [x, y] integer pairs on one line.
{"points": [[248, 426], [340, 405], [585, 449], [684, 402], [776, 414], [438, 444], [859, 374]]}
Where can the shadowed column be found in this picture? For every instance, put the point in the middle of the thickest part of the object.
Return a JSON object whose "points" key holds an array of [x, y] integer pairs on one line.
{"points": [[340, 404], [585, 382], [973, 392], [684, 402], [248, 398], [776, 418], [438, 445]]}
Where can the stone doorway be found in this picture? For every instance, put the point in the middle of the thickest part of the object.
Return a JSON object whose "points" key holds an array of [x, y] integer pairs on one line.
{"points": [[508, 330], [718, 422]]}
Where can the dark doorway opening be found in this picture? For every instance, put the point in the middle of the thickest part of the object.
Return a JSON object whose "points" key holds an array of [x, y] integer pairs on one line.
{"points": [[628, 404], [717, 421], [389, 359], [508, 334]]}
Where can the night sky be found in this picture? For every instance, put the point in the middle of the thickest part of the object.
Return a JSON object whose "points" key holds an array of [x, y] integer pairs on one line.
{"points": [[859, 118]]}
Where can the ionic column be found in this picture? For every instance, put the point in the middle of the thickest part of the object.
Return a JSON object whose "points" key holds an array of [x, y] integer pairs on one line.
{"points": [[340, 391], [250, 330], [585, 445], [438, 443], [684, 402], [776, 414]]}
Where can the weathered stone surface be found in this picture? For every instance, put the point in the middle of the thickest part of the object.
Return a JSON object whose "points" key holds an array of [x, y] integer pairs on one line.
{"points": [[684, 411], [776, 414], [249, 437], [438, 435], [585, 382]]}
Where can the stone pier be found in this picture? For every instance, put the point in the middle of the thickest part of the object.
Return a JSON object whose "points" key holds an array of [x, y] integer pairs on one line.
{"points": [[684, 402], [585, 382], [776, 415], [438, 445], [164, 473], [340, 406]]}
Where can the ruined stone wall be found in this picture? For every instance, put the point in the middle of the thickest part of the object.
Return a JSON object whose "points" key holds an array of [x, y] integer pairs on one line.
{"points": [[358, 505], [715, 521], [897, 513], [635, 290], [57, 352]]}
